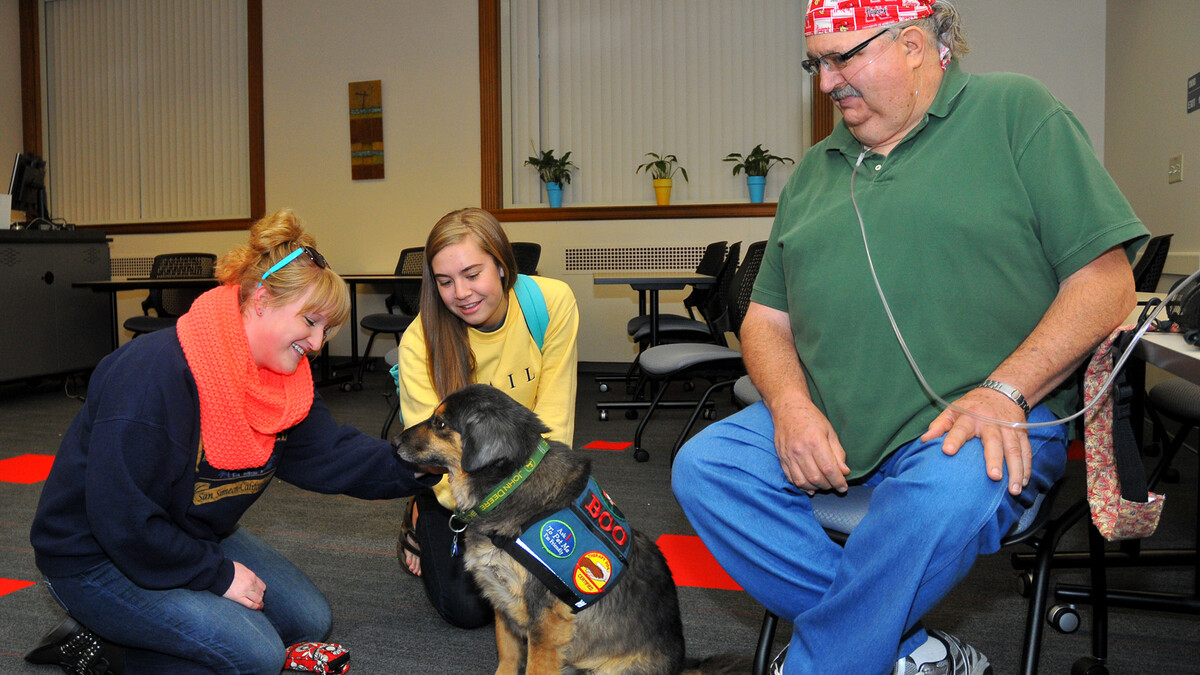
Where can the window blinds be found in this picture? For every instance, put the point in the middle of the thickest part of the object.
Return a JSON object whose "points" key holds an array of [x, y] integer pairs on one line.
{"points": [[611, 80], [147, 110]]}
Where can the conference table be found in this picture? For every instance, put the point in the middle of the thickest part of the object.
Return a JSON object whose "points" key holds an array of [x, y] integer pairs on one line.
{"points": [[113, 286], [648, 284]]}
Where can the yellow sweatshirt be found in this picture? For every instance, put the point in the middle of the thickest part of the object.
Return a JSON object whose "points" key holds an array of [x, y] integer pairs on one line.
{"points": [[543, 381]]}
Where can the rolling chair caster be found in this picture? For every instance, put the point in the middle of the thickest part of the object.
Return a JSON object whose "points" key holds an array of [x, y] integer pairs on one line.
{"points": [[641, 455], [1089, 665], [1025, 585], [1064, 618]]}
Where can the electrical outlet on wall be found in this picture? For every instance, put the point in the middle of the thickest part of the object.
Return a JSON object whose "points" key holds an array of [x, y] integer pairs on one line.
{"points": [[1175, 169]]}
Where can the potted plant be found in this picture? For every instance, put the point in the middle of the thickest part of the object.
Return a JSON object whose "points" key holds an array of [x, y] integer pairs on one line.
{"points": [[662, 170], [756, 163], [554, 172]]}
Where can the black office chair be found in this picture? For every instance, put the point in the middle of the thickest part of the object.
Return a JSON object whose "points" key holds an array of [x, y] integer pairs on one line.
{"points": [[710, 263], [402, 306], [528, 254], [171, 303], [1177, 400], [676, 329], [1149, 267], [839, 515], [720, 364]]}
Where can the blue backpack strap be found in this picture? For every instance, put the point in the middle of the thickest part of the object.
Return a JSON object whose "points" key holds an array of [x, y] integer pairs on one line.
{"points": [[533, 306]]}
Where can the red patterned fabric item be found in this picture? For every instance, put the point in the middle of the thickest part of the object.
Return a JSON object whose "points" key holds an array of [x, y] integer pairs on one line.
{"points": [[1115, 517], [318, 657], [835, 16]]}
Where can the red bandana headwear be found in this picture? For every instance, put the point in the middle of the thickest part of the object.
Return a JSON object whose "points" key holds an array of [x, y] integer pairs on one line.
{"points": [[242, 406], [838, 16], [833, 16]]}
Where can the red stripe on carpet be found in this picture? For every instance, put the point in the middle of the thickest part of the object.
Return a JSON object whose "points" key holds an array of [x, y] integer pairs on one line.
{"points": [[692, 565], [25, 468], [606, 445], [9, 585]]}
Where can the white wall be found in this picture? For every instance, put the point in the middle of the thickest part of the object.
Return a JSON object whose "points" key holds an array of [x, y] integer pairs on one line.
{"points": [[1059, 43], [1152, 51], [426, 55]]}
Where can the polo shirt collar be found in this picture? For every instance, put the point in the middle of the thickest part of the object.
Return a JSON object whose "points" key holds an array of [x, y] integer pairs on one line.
{"points": [[953, 82]]}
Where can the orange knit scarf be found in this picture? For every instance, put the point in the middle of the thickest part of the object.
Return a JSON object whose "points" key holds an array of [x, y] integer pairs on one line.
{"points": [[242, 406]]}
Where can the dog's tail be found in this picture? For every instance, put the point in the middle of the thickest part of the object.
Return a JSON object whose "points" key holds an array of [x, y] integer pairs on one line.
{"points": [[719, 664]]}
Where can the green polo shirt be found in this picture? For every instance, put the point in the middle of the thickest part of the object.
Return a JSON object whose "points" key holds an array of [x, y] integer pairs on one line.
{"points": [[971, 221]]}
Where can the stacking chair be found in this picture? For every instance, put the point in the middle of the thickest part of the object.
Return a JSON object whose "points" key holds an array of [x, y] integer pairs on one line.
{"points": [[1149, 267], [708, 331], [528, 254], [719, 261], [402, 305], [840, 514], [1176, 400], [720, 364], [710, 263], [171, 303]]}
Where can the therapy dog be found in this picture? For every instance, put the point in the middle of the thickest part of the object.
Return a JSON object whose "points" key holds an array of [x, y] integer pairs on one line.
{"points": [[524, 504]]}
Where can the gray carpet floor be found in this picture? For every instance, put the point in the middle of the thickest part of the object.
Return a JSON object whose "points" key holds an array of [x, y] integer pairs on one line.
{"points": [[380, 613]]}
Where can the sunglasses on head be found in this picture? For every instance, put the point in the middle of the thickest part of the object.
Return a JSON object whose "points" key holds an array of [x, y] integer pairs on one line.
{"points": [[313, 254]]}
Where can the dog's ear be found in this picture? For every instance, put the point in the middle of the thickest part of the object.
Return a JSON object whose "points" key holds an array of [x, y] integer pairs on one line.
{"points": [[494, 428]]}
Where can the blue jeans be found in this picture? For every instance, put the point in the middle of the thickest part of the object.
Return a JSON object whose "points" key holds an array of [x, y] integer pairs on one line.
{"points": [[184, 631], [855, 609]]}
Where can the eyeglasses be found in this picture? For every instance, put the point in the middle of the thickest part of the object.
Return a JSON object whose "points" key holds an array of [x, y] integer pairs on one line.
{"points": [[313, 254], [837, 61]]}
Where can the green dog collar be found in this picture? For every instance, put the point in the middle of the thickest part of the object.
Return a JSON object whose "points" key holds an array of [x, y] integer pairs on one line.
{"points": [[505, 488]]}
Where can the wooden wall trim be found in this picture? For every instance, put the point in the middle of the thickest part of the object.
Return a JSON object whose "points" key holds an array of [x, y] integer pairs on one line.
{"points": [[31, 122], [492, 160]]}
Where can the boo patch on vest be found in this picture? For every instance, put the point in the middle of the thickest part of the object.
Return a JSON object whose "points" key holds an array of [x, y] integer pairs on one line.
{"points": [[579, 552]]}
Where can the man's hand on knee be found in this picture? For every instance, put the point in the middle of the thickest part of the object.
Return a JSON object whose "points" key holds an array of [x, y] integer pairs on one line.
{"points": [[1003, 446]]}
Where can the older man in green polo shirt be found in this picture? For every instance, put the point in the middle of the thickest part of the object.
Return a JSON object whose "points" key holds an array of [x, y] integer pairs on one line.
{"points": [[938, 267]]}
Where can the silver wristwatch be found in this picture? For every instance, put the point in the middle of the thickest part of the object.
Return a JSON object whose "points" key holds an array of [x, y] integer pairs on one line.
{"points": [[1009, 391]]}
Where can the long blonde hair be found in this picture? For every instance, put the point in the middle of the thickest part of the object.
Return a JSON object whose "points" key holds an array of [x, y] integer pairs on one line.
{"points": [[450, 360], [272, 239]]}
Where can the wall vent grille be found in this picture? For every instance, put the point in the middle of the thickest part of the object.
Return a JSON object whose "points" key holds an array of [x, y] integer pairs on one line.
{"points": [[129, 268], [10, 256], [633, 258]]}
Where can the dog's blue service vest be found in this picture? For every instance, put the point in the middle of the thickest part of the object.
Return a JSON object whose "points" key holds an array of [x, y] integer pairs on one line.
{"points": [[579, 552]]}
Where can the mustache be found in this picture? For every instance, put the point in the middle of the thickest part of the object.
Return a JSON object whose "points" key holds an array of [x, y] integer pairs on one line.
{"points": [[845, 91]]}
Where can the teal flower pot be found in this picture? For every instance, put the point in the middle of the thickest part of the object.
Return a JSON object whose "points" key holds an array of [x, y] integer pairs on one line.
{"points": [[756, 185], [554, 194]]}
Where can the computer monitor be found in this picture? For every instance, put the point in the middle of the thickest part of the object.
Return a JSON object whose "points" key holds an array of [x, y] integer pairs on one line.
{"points": [[28, 187]]}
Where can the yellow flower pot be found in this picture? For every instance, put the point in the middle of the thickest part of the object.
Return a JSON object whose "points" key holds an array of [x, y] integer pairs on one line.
{"points": [[662, 190]]}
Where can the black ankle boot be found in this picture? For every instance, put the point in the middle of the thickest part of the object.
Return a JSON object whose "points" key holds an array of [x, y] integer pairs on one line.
{"points": [[77, 651]]}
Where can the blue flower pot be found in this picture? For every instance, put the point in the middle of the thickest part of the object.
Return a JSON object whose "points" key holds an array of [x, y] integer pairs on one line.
{"points": [[554, 194], [756, 185]]}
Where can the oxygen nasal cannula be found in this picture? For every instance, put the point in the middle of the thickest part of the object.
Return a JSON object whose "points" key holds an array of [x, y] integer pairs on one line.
{"points": [[985, 418]]}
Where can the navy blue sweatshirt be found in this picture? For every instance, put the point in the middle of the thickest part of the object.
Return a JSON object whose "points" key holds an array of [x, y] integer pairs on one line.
{"points": [[130, 482]]}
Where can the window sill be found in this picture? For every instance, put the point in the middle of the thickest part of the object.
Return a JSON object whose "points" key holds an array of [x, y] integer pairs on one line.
{"points": [[647, 212]]}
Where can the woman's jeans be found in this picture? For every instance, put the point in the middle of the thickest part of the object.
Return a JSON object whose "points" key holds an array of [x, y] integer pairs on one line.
{"points": [[185, 631]]}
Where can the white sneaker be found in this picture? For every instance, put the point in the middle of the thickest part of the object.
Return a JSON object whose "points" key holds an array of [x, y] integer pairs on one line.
{"points": [[961, 659], [776, 667]]}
